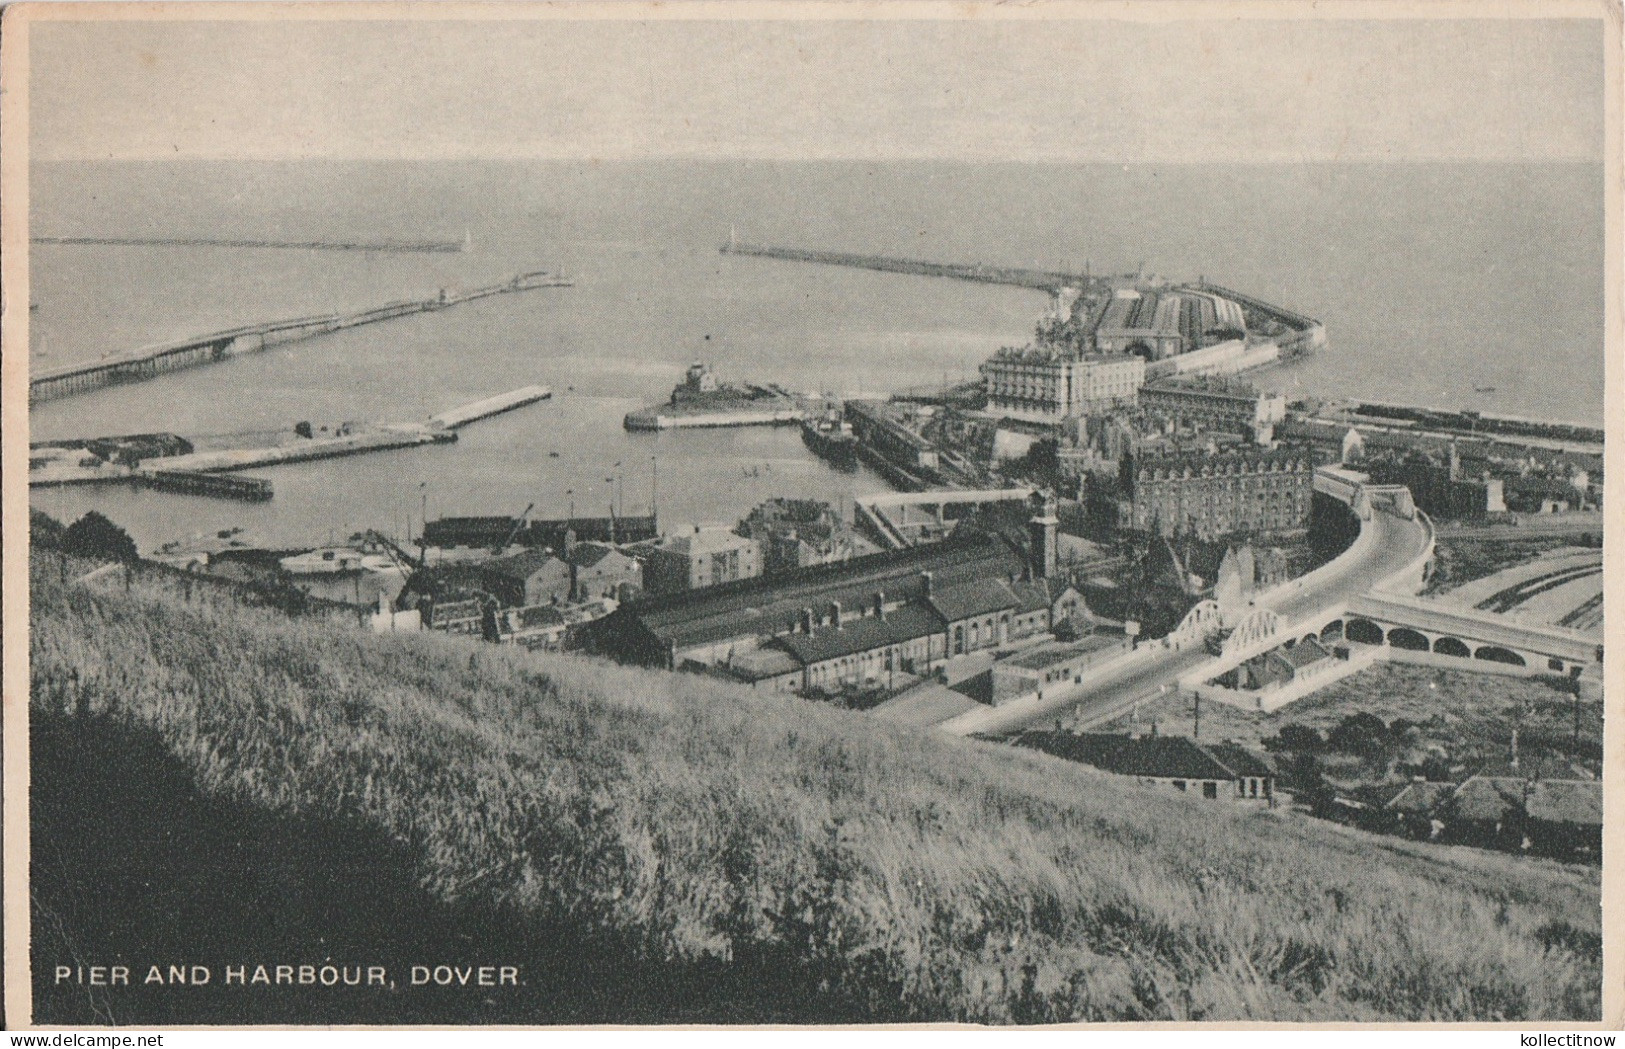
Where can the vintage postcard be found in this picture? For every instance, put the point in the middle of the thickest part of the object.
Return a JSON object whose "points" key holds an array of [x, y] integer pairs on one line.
{"points": [[808, 513]]}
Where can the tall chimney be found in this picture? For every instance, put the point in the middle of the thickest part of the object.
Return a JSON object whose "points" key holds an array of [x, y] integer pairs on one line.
{"points": [[1041, 529], [806, 621], [925, 581], [835, 614], [880, 604]]}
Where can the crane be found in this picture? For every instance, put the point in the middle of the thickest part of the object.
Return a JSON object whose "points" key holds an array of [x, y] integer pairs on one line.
{"points": [[518, 526], [403, 560]]}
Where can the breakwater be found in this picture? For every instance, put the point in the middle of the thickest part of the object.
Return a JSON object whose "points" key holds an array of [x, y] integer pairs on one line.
{"points": [[427, 246], [489, 406], [1039, 280], [403, 435], [152, 361], [1302, 335]]}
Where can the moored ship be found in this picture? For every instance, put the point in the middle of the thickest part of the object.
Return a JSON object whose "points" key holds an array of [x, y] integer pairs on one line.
{"points": [[832, 440]]}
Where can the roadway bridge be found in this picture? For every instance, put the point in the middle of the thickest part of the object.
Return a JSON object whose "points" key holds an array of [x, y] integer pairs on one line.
{"points": [[1391, 554], [897, 520]]}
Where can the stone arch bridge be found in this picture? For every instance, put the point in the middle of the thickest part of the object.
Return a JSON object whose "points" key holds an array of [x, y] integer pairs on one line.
{"points": [[1417, 625]]}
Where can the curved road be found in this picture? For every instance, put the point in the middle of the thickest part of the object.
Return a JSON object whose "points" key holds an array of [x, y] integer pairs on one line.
{"points": [[1387, 545]]}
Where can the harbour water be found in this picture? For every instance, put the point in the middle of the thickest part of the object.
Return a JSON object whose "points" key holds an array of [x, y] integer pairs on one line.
{"points": [[1463, 286]]}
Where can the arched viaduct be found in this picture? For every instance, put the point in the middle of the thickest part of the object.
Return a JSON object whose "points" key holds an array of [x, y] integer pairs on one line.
{"points": [[1415, 625]]}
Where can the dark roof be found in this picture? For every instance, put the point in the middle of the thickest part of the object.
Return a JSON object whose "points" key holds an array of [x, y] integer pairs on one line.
{"points": [[1487, 798], [1531, 767], [519, 566], [1304, 653], [1160, 757], [1241, 760], [1558, 801], [761, 664], [860, 635], [754, 607], [1095, 749], [1169, 757], [1037, 594], [978, 597], [488, 531], [539, 616], [586, 555]]}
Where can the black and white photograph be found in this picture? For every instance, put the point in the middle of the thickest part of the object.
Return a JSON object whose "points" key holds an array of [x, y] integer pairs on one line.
{"points": [[795, 513]]}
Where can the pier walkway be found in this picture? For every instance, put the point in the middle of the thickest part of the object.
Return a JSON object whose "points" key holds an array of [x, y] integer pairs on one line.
{"points": [[1050, 281], [191, 352]]}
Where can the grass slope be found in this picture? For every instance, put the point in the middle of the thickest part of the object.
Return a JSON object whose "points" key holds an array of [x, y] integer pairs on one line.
{"points": [[657, 847]]}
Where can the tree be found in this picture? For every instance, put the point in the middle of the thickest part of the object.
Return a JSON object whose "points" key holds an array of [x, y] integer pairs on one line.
{"points": [[44, 531], [1297, 738], [302, 429], [1361, 733], [96, 537]]}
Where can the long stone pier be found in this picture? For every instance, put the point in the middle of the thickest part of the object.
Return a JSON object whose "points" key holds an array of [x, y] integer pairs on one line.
{"points": [[152, 361], [1039, 280], [439, 246]]}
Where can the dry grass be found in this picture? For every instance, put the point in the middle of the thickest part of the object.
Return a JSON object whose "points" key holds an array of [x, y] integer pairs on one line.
{"points": [[907, 876]]}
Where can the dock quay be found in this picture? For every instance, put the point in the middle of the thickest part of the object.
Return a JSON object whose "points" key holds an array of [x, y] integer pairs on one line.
{"points": [[146, 363], [661, 419], [400, 435], [1038, 280], [489, 406], [220, 486], [169, 463]]}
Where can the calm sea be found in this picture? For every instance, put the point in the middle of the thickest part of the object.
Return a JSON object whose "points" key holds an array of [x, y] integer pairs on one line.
{"points": [[1464, 286]]}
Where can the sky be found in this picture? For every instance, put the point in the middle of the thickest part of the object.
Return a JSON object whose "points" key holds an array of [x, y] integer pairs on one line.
{"points": [[989, 88]]}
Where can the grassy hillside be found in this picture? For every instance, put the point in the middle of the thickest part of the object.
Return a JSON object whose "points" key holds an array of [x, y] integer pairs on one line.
{"points": [[244, 787]]}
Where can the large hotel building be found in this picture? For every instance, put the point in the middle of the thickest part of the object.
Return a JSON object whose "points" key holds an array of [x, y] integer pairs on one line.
{"points": [[1045, 385], [1210, 496]]}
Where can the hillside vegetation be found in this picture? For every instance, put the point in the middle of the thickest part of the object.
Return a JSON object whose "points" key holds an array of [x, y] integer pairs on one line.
{"points": [[237, 786]]}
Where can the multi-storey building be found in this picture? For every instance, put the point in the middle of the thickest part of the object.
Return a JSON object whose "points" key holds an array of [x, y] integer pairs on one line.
{"points": [[1232, 407], [701, 558], [1048, 385], [1208, 496], [798, 533]]}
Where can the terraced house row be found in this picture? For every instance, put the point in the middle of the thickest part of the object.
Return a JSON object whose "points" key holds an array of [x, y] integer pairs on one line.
{"points": [[899, 612]]}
